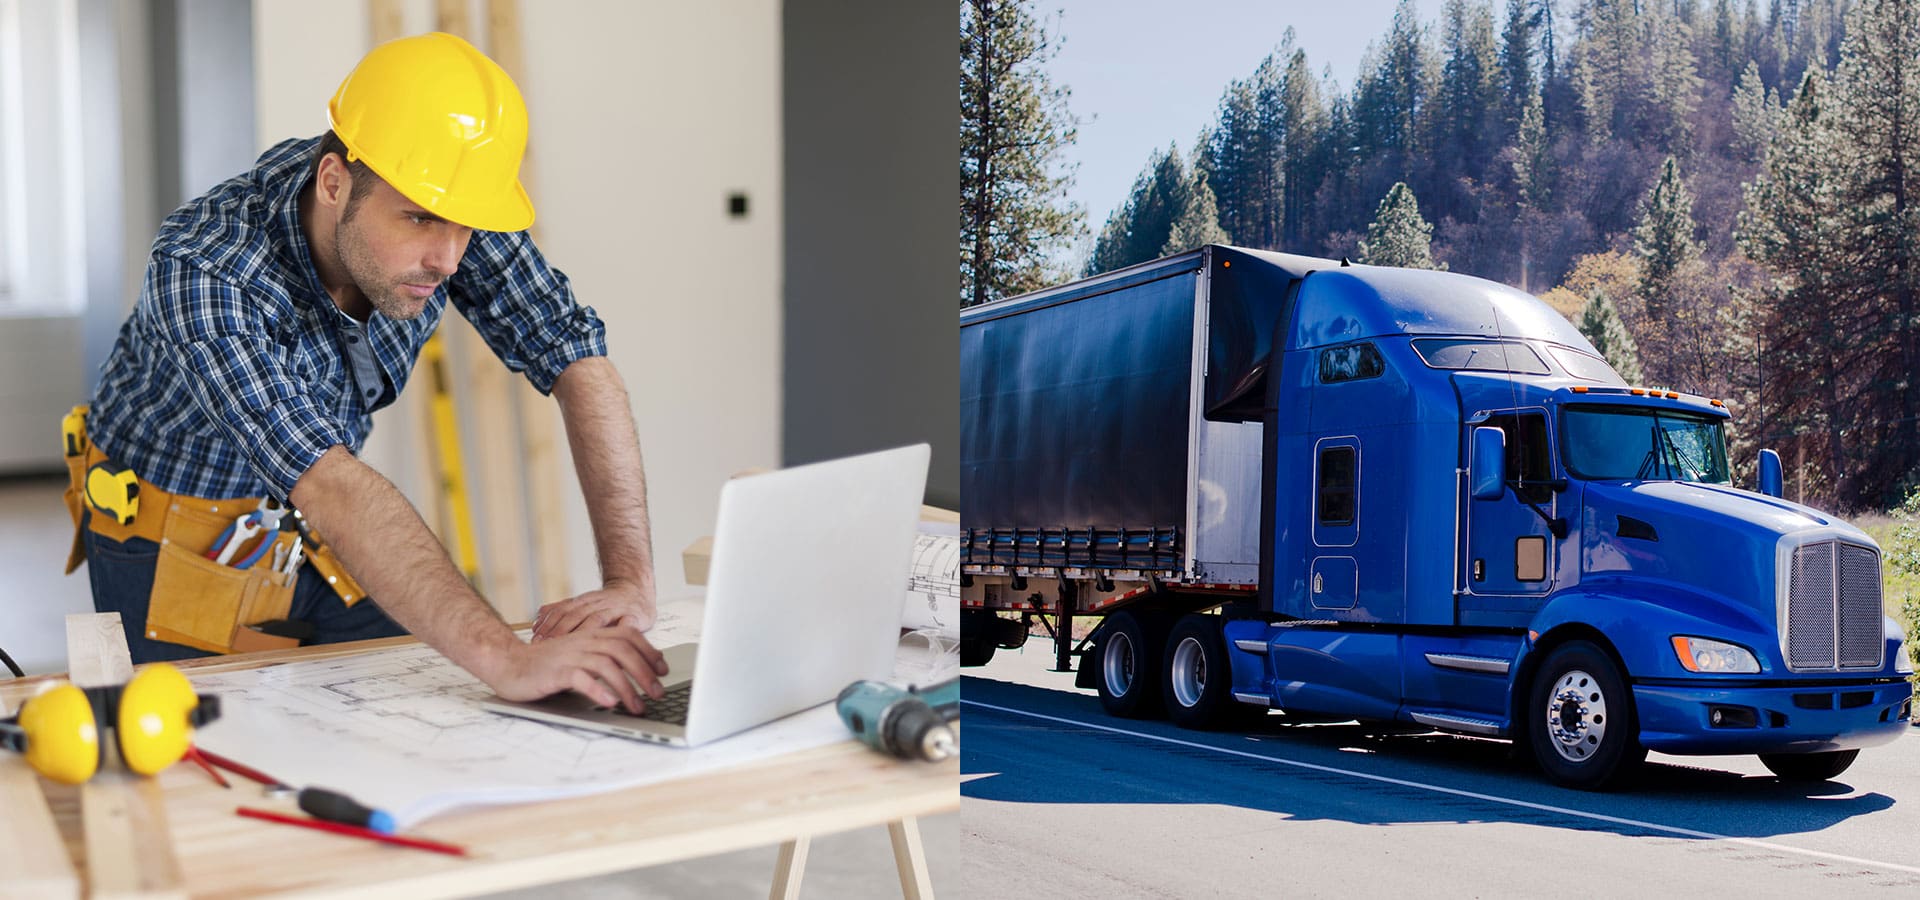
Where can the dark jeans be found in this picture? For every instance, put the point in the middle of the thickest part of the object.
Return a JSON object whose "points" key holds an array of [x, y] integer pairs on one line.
{"points": [[122, 577]]}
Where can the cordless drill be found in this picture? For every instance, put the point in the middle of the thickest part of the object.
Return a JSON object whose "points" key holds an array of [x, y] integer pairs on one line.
{"points": [[915, 723]]}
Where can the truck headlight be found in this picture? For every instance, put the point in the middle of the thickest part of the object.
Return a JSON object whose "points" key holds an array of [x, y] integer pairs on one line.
{"points": [[1903, 662], [1698, 654]]}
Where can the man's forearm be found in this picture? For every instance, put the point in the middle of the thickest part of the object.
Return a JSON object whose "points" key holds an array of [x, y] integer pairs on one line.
{"points": [[606, 454], [382, 541]]}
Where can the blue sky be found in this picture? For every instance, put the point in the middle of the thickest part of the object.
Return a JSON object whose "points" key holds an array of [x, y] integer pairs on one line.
{"points": [[1148, 72]]}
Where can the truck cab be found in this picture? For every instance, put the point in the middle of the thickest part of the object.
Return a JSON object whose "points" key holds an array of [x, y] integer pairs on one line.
{"points": [[1422, 497]]}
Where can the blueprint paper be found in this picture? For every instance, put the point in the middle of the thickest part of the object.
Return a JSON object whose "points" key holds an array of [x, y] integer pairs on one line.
{"points": [[400, 730], [933, 584]]}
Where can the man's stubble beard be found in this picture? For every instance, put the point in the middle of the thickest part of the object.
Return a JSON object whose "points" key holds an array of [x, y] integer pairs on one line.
{"points": [[387, 297]]}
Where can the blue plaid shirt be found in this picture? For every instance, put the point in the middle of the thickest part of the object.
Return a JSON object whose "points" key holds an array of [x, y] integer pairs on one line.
{"points": [[235, 371]]}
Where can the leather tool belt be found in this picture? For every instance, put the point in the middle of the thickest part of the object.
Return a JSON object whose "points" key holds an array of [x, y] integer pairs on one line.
{"points": [[196, 601]]}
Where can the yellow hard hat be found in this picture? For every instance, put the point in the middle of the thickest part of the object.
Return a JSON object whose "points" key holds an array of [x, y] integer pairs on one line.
{"points": [[443, 124]]}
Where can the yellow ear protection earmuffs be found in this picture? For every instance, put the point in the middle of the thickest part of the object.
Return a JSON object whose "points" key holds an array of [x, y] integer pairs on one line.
{"points": [[152, 716]]}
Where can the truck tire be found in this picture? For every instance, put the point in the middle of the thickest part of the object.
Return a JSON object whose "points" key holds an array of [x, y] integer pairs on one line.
{"points": [[975, 651], [1808, 766], [1197, 679], [1580, 719], [1129, 673]]}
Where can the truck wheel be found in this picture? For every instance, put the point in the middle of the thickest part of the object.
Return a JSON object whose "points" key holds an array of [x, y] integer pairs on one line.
{"points": [[975, 651], [1129, 679], [1809, 766], [1580, 719], [1198, 685]]}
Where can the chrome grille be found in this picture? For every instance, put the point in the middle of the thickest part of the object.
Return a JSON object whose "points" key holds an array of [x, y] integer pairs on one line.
{"points": [[1833, 607], [1862, 631]]}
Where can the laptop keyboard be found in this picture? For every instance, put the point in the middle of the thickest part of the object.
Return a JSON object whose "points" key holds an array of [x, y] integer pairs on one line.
{"points": [[671, 709]]}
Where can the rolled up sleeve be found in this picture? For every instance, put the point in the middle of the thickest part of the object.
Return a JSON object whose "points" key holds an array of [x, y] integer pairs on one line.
{"points": [[523, 308], [242, 380]]}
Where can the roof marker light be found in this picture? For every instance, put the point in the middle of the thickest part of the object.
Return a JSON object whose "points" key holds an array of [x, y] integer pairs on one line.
{"points": [[1639, 392], [1717, 403], [1580, 389], [1673, 395]]}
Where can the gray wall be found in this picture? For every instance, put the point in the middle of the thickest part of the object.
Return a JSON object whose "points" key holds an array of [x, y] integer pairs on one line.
{"points": [[872, 204]]}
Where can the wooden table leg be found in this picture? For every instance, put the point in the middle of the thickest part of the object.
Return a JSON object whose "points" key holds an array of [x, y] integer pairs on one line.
{"points": [[788, 869], [911, 859]]}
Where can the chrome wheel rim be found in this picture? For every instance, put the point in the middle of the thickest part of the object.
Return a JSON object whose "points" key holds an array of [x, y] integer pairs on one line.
{"points": [[1189, 672], [1117, 664], [1576, 716]]}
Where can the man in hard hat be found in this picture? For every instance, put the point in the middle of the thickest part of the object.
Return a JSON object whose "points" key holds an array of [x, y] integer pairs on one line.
{"points": [[279, 311]]}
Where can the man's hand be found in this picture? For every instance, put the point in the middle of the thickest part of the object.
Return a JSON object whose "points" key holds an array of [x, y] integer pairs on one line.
{"points": [[620, 602], [596, 662]]}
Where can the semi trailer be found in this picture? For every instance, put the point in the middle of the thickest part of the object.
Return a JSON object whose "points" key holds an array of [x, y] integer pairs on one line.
{"points": [[1404, 496]]}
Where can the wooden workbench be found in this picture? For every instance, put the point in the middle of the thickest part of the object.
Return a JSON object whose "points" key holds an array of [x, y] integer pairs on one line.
{"points": [[219, 854]]}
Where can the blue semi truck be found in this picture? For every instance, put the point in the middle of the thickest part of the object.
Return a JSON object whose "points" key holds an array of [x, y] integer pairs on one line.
{"points": [[1416, 497]]}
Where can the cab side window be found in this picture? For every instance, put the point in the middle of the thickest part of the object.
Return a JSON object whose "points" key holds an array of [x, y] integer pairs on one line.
{"points": [[1337, 485], [1529, 454], [1350, 363]]}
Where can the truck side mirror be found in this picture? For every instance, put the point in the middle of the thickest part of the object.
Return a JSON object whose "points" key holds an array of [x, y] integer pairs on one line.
{"points": [[1771, 482], [1488, 466]]}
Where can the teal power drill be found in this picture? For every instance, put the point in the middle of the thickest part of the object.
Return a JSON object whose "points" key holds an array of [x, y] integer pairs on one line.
{"points": [[915, 723]]}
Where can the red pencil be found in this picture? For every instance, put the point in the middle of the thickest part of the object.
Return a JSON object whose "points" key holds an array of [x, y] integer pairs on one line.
{"points": [[237, 768], [353, 831]]}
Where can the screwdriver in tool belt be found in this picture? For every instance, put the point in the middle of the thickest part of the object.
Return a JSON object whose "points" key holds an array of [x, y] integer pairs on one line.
{"points": [[333, 806]]}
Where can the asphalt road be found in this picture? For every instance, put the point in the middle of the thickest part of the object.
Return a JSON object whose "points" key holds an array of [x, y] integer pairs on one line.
{"points": [[1059, 800]]}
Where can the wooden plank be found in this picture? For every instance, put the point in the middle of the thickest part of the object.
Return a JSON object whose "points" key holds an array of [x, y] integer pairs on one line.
{"points": [[454, 18], [488, 394], [32, 853], [97, 650], [787, 869], [543, 526], [385, 21], [910, 857], [124, 817], [129, 847]]}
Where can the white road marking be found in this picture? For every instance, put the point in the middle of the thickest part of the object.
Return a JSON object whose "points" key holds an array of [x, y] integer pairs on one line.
{"points": [[1490, 798]]}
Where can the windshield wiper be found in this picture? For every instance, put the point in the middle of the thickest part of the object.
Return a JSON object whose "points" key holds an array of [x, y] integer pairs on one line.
{"points": [[1679, 459]]}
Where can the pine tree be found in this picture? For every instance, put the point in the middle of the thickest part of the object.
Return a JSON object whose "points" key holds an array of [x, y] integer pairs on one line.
{"points": [[1199, 221], [1245, 153], [1518, 86], [1014, 124], [1877, 130], [1398, 235], [1469, 96], [1794, 227], [1664, 239], [1601, 323], [1756, 112], [1390, 103], [1305, 124], [1138, 230]]}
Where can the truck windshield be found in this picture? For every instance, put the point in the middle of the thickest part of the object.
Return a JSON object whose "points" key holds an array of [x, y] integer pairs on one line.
{"points": [[1615, 443]]}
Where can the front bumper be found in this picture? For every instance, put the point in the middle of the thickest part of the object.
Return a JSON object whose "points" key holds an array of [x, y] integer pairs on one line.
{"points": [[1786, 718]]}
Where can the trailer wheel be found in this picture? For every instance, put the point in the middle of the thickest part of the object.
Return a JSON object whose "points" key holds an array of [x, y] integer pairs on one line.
{"points": [[975, 651], [1580, 719], [1198, 679], [1129, 680], [1808, 766]]}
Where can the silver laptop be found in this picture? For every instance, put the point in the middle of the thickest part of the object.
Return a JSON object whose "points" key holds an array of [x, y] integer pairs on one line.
{"points": [[803, 597]]}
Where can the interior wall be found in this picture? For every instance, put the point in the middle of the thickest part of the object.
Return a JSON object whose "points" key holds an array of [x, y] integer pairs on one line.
{"points": [[872, 341], [645, 119]]}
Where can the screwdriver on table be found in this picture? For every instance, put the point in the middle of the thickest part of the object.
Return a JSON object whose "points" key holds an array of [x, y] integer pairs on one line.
{"points": [[333, 806]]}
